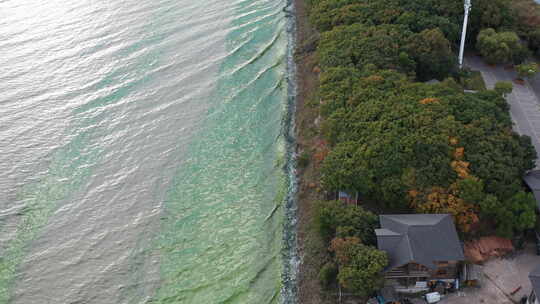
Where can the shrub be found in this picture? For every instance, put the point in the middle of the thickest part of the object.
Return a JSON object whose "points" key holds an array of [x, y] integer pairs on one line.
{"points": [[527, 70], [328, 274], [303, 160], [504, 87]]}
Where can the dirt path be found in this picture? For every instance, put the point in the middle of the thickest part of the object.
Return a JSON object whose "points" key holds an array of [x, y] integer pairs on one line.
{"points": [[311, 249]]}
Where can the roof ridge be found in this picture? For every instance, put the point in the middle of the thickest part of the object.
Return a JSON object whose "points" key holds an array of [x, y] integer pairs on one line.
{"points": [[409, 245], [421, 225]]}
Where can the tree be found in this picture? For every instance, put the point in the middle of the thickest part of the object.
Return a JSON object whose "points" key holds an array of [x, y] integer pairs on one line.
{"points": [[471, 190], [344, 248], [513, 216], [342, 170], [351, 220], [336, 87], [328, 274], [534, 40], [502, 47], [522, 205], [527, 70], [432, 51], [441, 200], [496, 14], [358, 45], [492, 14], [418, 16], [493, 50], [527, 21], [498, 156], [360, 266]]}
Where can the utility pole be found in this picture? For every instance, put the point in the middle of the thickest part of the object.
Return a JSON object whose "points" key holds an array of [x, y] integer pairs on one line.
{"points": [[464, 33]]}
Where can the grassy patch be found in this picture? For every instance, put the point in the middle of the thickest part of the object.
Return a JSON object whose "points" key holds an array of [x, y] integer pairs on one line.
{"points": [[472, 80]]}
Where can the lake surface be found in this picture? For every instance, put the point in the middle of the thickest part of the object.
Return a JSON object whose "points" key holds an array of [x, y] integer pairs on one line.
{"points": [[144, 151]]}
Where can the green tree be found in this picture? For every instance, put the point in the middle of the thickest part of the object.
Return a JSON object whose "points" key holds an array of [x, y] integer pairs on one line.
{"points": [[497, 156], [417, 16], [527, 21], [511, 216], [502, 47], [344, 169], [522, 205], [496, 14], [471, 190], [328, 274], [358, 45], [336, 87], [333, 215], [432, 51], [534, 40], [360, 267]]}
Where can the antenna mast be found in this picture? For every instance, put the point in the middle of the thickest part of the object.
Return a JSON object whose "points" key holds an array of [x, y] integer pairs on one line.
{"points": [[467, 6]]}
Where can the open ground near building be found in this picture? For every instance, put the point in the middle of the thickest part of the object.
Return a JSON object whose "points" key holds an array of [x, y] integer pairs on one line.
{"points": [[502, 281], [501, 277]]}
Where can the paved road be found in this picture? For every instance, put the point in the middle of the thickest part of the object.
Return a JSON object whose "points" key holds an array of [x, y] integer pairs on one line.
{"points": [[524, 100]]}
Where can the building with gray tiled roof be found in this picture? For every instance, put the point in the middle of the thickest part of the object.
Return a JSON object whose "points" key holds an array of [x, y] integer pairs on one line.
{"points": [[420, 247]]}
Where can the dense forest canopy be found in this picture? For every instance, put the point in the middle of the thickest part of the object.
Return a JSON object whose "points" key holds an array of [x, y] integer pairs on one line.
{"points": [[520, 16], [406, 143], [411, 144]]}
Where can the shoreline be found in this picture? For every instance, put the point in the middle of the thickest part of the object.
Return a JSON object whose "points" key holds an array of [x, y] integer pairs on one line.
{"points": [[289, 288], [308, 288]]}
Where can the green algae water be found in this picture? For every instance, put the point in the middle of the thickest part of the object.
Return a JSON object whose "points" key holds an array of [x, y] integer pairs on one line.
{"points": [[145, 152]]}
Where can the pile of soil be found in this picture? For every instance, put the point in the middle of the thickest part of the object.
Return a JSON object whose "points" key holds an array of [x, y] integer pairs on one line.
{"points": [[483, 249]]}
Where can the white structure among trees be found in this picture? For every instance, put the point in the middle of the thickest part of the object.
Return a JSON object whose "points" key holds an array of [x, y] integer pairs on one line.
{"points": [[467, 6]]}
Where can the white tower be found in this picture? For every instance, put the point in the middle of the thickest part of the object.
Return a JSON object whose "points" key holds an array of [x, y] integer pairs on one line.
{"points": [[464, 33]]}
